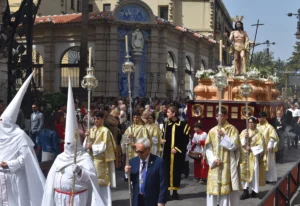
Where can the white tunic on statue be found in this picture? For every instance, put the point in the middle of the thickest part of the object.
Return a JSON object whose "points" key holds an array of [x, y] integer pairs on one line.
{"points": [[22, 183], [231, 199]]}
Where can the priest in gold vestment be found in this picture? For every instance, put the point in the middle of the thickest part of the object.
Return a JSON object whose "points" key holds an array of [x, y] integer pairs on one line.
{"points": [[135, 132], [154, 133], [253, 152], [228, 162], [102, 145], [272, 141]]}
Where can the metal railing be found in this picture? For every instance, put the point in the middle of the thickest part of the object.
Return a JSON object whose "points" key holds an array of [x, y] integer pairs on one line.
{"points": [[285, 188]]}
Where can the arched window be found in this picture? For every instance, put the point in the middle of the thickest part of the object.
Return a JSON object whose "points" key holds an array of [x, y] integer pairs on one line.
{"points": [[188, 82], [170, 78], [69, 65], [37, 67]]}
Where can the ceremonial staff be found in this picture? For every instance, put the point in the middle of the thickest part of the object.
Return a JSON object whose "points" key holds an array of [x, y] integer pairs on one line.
{"points": [[221, 83], [164, 138], [128, 68], [89, 82], [75, 160], [246, 91]]}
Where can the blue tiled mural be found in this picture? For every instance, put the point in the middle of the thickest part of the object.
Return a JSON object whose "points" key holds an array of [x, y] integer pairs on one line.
{"points": [[133, 12], [123, 84]]}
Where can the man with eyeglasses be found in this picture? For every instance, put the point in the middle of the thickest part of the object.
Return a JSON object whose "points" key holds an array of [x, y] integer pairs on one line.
{"points": [[148, 176], [227, 160], [252, 165], [103, 146], [272, 141]]}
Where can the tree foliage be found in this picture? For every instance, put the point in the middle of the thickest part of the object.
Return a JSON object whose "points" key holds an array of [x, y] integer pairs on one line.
{"points": [[264, 62]]}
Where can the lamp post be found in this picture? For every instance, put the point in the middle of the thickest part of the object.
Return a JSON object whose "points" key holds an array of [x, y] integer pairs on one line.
{"points": [[246, 91], [89, 82], [268, 43], [221, 83], [298, 23]]}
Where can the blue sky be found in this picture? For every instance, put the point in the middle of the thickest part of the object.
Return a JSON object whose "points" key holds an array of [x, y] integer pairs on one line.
{"points": [[278, 28]]}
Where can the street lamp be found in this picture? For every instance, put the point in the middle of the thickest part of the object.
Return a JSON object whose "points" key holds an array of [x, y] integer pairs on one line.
{"points": [[268, 43], [298, 23]]}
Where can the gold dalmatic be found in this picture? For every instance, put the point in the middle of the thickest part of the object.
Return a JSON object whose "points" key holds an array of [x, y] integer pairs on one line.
{"points": [[255, 139], [100, 136], [268, 133], [154, 131], [226, 168], [139, 131]]}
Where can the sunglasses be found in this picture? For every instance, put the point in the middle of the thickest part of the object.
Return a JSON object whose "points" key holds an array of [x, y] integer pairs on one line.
{"points": [[140, 152]]}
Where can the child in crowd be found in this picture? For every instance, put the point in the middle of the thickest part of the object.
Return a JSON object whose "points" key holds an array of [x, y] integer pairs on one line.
{"points": [[197, 147]]}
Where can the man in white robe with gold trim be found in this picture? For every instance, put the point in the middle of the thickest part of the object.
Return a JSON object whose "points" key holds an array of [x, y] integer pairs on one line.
{"points": [[228, 162], [272, 141], [21, 179], [254, 147], [103, 146]]}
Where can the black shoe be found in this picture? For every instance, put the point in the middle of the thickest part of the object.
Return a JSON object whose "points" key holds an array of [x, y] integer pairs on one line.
{"points": [[253, 194], [175, 195], [168, 198], [245, 195]]}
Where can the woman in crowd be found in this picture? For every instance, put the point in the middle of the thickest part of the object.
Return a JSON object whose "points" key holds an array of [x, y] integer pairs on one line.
{"points": [[60, 129], [154, 133], [49, 140]]}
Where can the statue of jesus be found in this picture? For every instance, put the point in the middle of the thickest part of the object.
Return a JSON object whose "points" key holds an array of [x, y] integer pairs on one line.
{"points": [[240, 47]]}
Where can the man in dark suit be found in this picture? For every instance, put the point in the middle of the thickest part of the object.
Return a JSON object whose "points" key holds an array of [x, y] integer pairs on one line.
{"points": [[148, 176], [279, 123]]}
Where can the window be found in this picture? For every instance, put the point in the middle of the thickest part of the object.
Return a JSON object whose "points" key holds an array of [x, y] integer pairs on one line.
{"points": [[163, 12], [72, 4], [106, 7], [79, 6], [90, 7]]}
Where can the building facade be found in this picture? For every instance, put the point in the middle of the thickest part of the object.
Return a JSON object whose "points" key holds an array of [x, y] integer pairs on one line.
{"points": [[165, 67]]}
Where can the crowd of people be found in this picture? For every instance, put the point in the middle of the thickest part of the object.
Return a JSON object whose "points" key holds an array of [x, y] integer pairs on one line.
{"points": [[159, 143]]}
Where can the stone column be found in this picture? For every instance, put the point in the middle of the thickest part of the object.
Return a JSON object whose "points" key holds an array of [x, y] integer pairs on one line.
{"points": [[49, 69]]}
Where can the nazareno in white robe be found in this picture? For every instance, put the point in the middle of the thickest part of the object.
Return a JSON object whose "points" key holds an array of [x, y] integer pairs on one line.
{"points": [[60, 177], [22, 184]]}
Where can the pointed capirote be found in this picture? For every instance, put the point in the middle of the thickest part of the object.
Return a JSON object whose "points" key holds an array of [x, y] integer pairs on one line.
{"points": [[11, 112], [71, 120]]}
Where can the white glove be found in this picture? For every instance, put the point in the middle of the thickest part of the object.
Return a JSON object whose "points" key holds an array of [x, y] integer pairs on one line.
{"points": [[76, 169]]}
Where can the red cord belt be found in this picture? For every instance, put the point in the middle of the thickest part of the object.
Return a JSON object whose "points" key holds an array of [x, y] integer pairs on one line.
{"points": [[69, 193]]}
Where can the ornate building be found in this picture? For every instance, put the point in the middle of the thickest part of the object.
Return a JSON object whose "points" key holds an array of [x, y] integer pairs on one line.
{"points": [[165, 64]]}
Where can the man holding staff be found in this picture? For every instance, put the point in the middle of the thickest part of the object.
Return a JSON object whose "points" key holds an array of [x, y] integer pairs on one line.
{"points": [[253, 176], [60, 188], [228, 162]]}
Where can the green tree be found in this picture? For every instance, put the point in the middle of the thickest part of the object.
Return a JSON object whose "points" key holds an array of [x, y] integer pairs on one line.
{"points": [[264, 62], [279, 67], [294, 61]]}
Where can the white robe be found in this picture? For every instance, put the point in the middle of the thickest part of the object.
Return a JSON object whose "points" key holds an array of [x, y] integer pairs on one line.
{"points": [[231, 199], [60, 178], [22, 184]]}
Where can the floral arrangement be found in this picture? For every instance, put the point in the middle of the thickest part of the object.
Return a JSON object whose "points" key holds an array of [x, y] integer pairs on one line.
{"points": [[227, 70], [274, 79], [253, 73], [205, 74]]}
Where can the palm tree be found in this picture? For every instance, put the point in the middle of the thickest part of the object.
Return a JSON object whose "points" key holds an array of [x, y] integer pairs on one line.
{"points": [[264, 62]]}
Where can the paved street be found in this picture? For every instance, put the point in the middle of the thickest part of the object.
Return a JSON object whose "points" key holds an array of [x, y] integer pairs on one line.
{"points": [[194, 194]]}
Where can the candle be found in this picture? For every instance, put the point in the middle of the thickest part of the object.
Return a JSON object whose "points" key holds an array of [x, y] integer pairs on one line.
{"points": [[126, 44], [221, 50], [90, 57]]}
